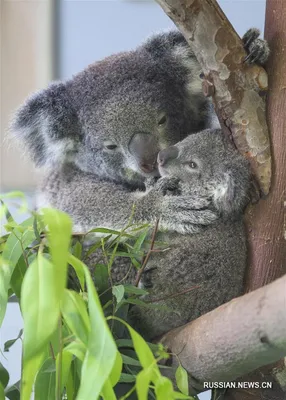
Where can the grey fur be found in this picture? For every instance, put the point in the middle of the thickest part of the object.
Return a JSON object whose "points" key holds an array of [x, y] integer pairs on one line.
{"points": [[70, 129], [211, 261]]}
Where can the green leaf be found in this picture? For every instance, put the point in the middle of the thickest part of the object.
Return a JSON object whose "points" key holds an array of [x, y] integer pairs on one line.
{"points": [[101, 277], [127, 378], [18, 276], [139, 242], [59, 235], [74, 262], [143, 379], [13, 392], [40, 304], [4, 376], [118, 292], [130, 361], [116, 370], [30, 368], [10, 342], [77, 250], [182, 380], [45, 385], [75, 315], [2, 394], [164, 389], [5, 275], [78, 349], [134, 290], [66, 360], [107, 391], [143, 352], [16, 243], [110, 231], [101, 352], [97, 245]]}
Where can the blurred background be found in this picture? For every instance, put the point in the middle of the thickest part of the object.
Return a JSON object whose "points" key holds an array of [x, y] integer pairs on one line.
{"points": [[43, 40]]}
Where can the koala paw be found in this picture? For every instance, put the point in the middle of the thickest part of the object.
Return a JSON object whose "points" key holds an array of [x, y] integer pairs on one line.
{"points": [[168, 186], [257, 49]]}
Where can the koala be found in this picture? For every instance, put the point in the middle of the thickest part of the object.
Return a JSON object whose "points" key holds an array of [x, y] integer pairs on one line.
{"points": [[96, 136], [205, 269]]}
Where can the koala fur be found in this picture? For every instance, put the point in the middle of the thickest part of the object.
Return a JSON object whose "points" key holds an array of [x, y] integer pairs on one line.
{"points": [[97, 135], [203, 270]]}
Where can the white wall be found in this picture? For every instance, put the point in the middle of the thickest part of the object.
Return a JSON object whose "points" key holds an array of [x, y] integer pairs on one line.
{"points": [[91, 30]]}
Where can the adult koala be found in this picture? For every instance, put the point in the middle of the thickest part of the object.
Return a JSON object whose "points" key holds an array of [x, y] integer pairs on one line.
{"points": [[199, 271], [99, 133]]}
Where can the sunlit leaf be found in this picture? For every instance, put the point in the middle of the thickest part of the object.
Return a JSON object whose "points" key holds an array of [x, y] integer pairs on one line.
{"points": [[182, 380], [5, 275], [101, 353], [107, 391], [30, 368], [164, 389], [143, 379], [45, 385], [40, 304], [75, 315], [78, 349], [73, 261], [66, 359], [116, 370], [59, 233]]}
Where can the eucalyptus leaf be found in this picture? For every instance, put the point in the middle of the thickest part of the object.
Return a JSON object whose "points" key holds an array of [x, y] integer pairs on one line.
{"points": [[10, 342], [182, 380], [4, 376], [118, 292], [45, 385]]}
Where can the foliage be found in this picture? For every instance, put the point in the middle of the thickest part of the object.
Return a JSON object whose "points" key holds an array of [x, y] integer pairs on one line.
{"points": [[76, 345]]}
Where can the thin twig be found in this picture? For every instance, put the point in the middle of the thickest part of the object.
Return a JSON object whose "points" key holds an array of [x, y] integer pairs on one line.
{"points": [[172, 295], [141, 270]]}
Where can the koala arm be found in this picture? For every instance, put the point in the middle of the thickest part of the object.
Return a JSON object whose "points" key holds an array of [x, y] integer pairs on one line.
{"points": [[92, 202]]}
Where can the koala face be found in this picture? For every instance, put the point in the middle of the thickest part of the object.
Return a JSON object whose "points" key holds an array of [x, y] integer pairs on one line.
{"points": [[207, 164], [114, 117]]}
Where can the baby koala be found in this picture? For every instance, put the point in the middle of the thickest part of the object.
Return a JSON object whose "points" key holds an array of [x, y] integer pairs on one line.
{"points": [[205, 269]]}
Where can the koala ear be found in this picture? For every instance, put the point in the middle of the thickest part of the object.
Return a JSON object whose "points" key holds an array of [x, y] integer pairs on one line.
{"points": [[231, 194], [47, 125]]}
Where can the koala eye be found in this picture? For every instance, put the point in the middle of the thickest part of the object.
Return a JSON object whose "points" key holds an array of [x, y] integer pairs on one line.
{"points": [[192, 165], [110, 146], [162, 120]]}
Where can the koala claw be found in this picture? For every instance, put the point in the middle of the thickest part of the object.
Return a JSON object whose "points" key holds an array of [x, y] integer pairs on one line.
{"points": [[257, 49]]}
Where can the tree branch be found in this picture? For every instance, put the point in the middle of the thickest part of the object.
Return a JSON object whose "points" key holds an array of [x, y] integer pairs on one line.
{"points": [[220, 52], [234, 339]]}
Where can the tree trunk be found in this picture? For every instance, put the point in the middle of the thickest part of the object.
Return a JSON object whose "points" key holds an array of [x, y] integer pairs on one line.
{"points": [[267, 221]]}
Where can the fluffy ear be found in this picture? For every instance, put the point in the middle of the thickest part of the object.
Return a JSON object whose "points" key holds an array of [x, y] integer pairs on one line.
{"points": [[231, 194], [47, 125]]}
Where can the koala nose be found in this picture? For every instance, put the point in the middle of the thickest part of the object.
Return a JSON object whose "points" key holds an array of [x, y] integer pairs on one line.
{"points": [[147, 167], [167, 154]]}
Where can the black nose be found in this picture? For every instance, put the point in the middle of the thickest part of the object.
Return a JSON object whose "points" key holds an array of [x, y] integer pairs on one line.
{"points": [[168, 154], [147, 167]]}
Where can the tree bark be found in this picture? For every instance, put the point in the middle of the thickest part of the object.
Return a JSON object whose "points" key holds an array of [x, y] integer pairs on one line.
{"points": [[234, 85], [234, 339], [267, 220], [235, 91]]}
